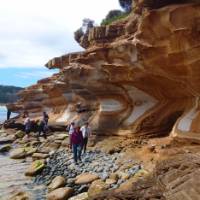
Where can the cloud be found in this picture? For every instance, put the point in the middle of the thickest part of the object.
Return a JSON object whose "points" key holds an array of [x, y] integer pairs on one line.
{"points": [[34, 31]]}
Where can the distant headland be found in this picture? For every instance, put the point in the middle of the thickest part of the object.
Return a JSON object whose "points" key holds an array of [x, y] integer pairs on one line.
{"points": [[8, 94]]}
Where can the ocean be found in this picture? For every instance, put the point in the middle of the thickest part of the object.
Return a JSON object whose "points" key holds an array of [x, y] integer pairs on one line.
{"points": [[3, 113]]}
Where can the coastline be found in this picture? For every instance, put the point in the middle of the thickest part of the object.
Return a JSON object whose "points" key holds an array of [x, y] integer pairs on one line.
{"points": [[3, 113], [58, 160]]}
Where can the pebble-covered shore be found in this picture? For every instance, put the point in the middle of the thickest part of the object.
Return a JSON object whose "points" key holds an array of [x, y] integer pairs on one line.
{"points": [[54, 172], [95, 162]]}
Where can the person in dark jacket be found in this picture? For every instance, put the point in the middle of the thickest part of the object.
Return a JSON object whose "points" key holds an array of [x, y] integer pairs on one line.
{"points": [[45, 117], [8, 113], [42, 128], [77, 144]]}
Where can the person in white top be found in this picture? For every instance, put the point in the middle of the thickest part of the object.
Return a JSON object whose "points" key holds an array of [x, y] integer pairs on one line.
{"points": [[86, 132], [71, 130], [27, 124]]}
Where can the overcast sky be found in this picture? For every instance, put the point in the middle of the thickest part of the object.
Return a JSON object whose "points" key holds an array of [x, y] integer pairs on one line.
{"points": [[34, 31]]}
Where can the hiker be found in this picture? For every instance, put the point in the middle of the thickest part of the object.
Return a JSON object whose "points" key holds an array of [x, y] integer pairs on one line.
{"points": [[71, 129], [86, 131], [27, 124], [45, 117], [25, 114], [42, 128], [8, 113], [43, 125], [77, 142]]}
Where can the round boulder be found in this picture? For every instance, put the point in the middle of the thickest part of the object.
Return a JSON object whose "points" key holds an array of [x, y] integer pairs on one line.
{"points": [[97, 187], [60, 194], [85, 178], [35, 168], [5, 148], [82, 196], [57, 182], [18, 153]]}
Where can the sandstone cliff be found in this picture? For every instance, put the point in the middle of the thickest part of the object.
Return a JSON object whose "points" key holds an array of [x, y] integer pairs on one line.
{"points": [[137, 77]]}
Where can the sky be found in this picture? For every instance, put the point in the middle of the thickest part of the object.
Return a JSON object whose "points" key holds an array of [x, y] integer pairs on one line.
{"points": [[34, 31]]}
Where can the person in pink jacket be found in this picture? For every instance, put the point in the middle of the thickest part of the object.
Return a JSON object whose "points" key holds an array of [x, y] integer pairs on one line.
{"points": [[77, 144]]}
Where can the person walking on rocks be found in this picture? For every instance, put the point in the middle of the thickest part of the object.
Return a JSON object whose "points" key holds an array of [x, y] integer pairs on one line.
{"points": [[25, 114], [8, 113], [71, 130], [86, 131], [27, 124], [42, 128], [77, 143], [43, 125], [45, 118]]}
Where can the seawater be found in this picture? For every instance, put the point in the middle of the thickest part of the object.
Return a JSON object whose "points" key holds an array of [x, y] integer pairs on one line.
{"points": [[3, 112], [12, 178]]}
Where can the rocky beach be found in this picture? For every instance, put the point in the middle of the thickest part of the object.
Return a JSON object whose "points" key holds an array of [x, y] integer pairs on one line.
{"points": [[37, 168], [137, 84], [44, 168]]}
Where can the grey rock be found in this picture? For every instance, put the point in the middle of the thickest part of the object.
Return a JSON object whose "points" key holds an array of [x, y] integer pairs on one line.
{"points": [[104, 176]]}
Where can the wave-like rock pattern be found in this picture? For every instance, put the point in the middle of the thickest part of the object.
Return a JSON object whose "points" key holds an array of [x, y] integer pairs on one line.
{"points": [[138, 77]]}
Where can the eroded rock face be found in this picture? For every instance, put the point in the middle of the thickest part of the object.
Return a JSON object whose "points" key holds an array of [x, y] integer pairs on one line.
{"points": [[137, 77]]}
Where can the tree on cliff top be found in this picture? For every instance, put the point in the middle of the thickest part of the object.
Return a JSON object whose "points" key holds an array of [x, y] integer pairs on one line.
{"points": [[113, 15], [126, 5], [78, 34], [87, 24], [84, 29]]}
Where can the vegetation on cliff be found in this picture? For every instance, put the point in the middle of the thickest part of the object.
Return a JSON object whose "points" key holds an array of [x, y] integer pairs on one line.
{"points": [[115, 15], [8, 94], [126, 5], [83, 30], [112, 16]]}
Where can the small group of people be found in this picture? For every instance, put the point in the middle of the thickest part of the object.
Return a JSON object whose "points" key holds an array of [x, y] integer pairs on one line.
{"points": [[78, 136], [78, 139], [42, 126]]}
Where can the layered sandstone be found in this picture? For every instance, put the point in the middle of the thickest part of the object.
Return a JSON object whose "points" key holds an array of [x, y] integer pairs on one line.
{"points": [[137, 77]]}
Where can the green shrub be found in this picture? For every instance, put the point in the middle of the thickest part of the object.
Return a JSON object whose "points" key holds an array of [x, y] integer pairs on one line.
{"points": [[126, 5], [113, 19]]}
